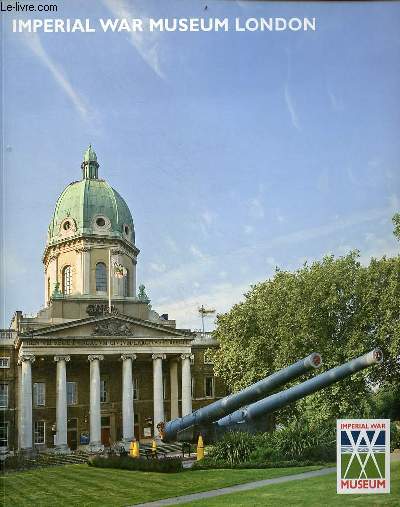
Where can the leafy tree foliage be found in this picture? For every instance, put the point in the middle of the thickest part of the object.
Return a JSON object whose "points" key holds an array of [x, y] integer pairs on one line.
{"points": [[396, 222], [334, 306]]}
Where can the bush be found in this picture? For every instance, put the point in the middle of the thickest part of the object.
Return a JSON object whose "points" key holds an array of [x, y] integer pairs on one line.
{"points": [[16, 462], [167, 465], [297, 442], [394, 437], [234, 447]]}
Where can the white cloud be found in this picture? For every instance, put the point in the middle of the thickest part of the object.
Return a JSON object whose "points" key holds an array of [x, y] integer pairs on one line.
{"points": [[208, 217], [221, 297], [196, 252], [256, 208], [145, 43], [34, 43], [289, 103], [157, 267]]}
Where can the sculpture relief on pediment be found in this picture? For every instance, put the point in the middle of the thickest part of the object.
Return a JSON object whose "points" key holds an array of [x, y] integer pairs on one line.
{"points": [[113, 328]]}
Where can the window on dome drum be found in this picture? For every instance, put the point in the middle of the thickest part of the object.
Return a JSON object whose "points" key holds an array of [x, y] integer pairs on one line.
{"points": [[126, 283], [101, 222], [39, 394], [67, 280], [3, 434], [39, 432], [101, 277], [3, 395]]}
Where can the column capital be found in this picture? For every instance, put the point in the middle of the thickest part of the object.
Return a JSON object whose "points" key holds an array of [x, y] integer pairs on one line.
{"points": [[128, 356], [26, 357], [62, 358], [187, 356], [93, 357], [158, 356]]}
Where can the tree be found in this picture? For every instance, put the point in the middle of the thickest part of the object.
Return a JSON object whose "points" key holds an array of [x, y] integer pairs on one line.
{"points": [[396, 222], [336, 307]]}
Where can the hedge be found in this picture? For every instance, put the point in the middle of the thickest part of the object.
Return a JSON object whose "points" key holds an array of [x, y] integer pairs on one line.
{"points": [[166, 465]]}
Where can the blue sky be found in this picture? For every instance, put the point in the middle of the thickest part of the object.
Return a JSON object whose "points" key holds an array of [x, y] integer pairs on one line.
{"points": [[236, 152]]}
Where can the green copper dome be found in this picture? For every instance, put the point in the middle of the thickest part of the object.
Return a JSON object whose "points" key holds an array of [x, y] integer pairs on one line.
{"points": [[90, 207]]}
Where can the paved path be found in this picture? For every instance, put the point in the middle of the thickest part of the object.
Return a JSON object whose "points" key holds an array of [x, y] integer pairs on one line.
{"points": [[234, 489]]}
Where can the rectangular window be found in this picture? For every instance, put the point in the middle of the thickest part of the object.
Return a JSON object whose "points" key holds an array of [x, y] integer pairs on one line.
{"points": [[39, 432], [39, 394], [103, 391], [4, 362], [3, 434], [193, 388], [3, 395], [209, 387], [208, 357], [72, 393], [135, 388]]}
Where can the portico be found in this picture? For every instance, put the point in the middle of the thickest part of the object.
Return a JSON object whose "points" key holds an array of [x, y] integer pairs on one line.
{"points": [[168, 356]]}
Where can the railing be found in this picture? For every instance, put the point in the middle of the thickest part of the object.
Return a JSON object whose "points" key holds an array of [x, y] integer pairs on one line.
{"points": [[7, 334]]}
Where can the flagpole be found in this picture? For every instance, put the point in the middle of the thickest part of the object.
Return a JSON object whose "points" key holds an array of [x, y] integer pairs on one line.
{"points": [[109, 280]]}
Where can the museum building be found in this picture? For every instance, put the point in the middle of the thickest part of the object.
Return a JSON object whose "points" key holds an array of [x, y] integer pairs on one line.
{"points": [[97, 365]]}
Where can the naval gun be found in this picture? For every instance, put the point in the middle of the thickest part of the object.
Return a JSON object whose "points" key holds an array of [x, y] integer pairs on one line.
{"points": [[177, 429], [213, 421]]}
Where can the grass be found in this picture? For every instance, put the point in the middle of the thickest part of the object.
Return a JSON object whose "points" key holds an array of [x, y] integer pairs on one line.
{"points": [[84, 486], [317, 492]]}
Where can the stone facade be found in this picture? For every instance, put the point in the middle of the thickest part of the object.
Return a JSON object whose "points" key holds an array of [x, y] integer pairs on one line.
{"points": [[95, 367]]}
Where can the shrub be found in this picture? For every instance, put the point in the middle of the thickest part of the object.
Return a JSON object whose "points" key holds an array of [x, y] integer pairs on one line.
{"points": [[297, 442], [234, 447], [167, 465], [394, 437]]}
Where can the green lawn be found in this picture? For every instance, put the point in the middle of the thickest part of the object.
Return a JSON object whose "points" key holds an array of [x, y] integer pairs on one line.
{"points": [[318, 492], [81, 485]]}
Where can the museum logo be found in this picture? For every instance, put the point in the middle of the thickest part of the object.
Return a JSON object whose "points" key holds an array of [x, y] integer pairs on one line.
{"points": [[363, 456]]}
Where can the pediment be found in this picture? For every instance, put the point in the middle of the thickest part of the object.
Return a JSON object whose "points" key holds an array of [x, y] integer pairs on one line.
{"points": [[105, 325]]}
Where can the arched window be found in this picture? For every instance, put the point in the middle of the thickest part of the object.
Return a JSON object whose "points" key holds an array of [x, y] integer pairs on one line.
{"points": [[126, 284], [67, 280], [101, 277]]}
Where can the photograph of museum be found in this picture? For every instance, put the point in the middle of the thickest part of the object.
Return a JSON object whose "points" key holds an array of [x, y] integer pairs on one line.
{"points": [[84, 373]]}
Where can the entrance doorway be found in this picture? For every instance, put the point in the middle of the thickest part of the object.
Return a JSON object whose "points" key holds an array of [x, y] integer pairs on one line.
{"points": [[105, 430], [72, 434]]}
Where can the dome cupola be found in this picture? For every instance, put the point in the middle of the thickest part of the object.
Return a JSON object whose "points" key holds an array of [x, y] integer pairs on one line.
{"points": [[91, 208]]}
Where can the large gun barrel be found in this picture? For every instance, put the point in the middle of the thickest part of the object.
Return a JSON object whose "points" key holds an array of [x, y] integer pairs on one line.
{"points": [[211, 413], [244, 418]]}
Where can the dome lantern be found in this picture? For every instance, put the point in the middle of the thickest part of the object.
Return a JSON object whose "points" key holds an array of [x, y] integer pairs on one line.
{"points": [[90, 165]]}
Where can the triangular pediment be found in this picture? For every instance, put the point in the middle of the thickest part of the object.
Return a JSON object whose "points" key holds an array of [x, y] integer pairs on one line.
{"points": [[111, 325]]}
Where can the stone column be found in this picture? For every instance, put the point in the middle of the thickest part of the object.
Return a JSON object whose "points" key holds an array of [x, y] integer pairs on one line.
{"points": [[25, 402], [61, 404], [158, 395], [173, 373], [128, 417], [186, 384], [95, 416]]}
